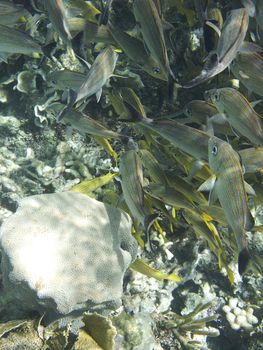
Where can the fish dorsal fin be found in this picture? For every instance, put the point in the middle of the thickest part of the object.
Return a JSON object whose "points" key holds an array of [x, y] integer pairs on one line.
{"points": [[212, 196]]}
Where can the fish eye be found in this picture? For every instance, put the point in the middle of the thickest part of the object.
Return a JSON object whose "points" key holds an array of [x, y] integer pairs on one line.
{"points": [[188, 112], [156, 70], [216, 96], [214, 150]]}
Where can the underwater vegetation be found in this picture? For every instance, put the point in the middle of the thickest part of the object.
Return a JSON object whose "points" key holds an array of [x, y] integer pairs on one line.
{"points": [[131, 174]]}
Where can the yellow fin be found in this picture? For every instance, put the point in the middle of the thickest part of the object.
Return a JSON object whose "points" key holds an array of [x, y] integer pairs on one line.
{"points": [[87, 186], [138, 236], [107, 146], [141, 266]]}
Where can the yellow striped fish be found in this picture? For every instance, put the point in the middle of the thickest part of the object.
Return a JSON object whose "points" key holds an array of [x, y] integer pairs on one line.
{"points": [[259, 13], [131, 183], [66, 79], [135, 50], [169, 195], [16, 41], [248, 67], [198, 111], [146, 14], [252, 159], [228, 185], [201, 111], [231, 39], [132, 186], [85, 124], [188, 139], [100, 71], [57, 15], [97, 34], [239, 113], [10, 13]]}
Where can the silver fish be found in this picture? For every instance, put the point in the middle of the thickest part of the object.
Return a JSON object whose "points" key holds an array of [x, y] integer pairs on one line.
{"points": [[198, 111], [239, 113], [248, 67], [259, 13], [57, 16], [147, 16], [100, 71], [66, 79], [132, 186], [135, 50], [85, 124], [252, 159], [188, 139], [231, 39], [15, 41], [169, 196], [201, 112], [95, 33], [250, 7], [228, 185], [10, 13]]}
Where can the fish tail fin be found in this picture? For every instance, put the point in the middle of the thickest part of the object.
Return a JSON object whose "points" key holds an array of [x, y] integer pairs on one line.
{"points": [[72, 95], [148, 222], [135, 115], [62, 113], [71, 100], [243, 260]]}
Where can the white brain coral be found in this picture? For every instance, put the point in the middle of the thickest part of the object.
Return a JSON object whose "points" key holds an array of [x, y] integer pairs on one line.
{"points": [[65, 252]]}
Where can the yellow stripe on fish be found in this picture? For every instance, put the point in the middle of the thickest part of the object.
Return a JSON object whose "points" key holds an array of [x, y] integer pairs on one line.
{"points": [[228, 185], [239, 112]]}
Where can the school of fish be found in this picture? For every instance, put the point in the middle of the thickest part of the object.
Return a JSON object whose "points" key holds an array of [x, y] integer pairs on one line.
{"points": [[180, 132]]}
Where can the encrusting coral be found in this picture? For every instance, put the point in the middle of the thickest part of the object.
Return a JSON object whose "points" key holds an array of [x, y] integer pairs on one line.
{"points": [[66, 252]]}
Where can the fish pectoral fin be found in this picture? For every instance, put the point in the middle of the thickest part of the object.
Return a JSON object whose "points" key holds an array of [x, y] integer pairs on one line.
{"points": [[249, 189], [243, 75], [218, 118], [210, 185], [98, 94], [212, 196]]}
